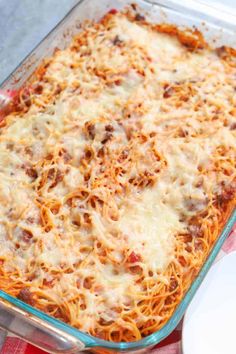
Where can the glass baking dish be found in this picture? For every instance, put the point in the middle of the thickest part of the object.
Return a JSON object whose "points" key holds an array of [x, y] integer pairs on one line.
{"points": [[32, 325]]}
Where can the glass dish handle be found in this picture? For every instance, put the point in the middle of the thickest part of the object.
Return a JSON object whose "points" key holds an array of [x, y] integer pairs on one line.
{"points": [[217, 12], [36, 331]]}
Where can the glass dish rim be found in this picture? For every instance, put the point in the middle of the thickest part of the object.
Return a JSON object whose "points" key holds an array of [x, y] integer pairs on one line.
{"points": [[154, 338]]}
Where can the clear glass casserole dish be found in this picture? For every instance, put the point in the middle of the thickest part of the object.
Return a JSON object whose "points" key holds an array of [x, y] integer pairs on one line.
{"points": [[31, 324]]}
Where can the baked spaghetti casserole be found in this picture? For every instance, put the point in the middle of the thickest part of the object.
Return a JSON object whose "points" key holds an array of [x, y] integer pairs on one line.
{"points": [[117, 174]]}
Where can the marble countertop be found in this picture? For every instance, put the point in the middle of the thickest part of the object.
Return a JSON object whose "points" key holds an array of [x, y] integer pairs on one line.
{"points": [[23, 23]]}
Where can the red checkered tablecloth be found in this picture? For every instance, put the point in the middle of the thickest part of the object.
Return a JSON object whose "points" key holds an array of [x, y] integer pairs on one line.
{"points": [[170, 345]]}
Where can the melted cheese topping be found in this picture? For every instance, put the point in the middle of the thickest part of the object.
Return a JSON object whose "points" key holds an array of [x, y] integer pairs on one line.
{"points": [[130, 137], [150, 226]]}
